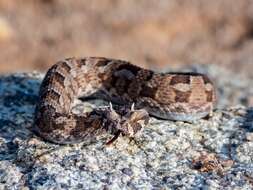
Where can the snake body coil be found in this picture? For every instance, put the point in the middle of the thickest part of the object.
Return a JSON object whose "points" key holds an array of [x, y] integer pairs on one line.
{"points": [[173, 96]]}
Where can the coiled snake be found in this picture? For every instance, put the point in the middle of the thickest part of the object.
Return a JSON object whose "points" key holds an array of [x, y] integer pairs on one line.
{"points": [[172, 96]]}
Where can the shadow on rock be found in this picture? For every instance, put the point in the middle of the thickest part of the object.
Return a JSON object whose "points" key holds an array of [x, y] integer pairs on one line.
{"points": [[18, 97], [248, 123]]}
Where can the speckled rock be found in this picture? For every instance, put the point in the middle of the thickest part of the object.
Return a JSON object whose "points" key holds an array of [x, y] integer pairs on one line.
{"points": [[213, 153]]}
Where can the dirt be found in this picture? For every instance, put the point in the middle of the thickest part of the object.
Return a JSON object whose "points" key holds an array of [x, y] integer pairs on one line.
{"points": [[155, 34]]}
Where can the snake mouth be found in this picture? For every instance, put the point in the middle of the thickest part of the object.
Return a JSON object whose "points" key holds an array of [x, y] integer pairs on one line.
{"points": [[131, 123], [134, 121]]}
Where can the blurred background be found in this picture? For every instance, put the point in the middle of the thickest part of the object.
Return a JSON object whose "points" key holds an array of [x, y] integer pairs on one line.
{"points": [[155, 34]]}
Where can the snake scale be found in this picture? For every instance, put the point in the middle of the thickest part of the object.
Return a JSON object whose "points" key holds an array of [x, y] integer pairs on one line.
{"points": [[171, 96]]}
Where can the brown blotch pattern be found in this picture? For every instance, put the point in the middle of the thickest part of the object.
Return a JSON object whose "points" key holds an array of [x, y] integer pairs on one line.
{"points": [[147, 91], [121, 85], [46, 82], [209, 96], [59, 78], [180, 79], [83, 61], [206, 79], [182, 96], [102, 62], [65, 66], [79, 63], [134, 69], [134, 89], [145, 75], [53, 95]]}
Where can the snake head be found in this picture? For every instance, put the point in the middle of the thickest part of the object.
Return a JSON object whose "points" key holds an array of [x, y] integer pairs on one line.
{"points": [[127, 122], [133, 121]]}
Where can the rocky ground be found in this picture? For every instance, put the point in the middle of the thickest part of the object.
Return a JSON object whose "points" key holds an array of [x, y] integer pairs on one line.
{"points": [[212, 37], [212, 153]]}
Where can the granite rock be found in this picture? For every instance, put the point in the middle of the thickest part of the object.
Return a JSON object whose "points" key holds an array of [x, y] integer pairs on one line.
{"points": [[213, 153]]}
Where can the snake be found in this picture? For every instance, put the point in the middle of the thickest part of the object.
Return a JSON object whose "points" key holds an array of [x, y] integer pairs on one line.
{"points": [[138, 92]]}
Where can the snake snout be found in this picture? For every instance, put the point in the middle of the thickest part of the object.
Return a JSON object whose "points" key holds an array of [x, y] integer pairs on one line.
{"points": [[133, 122]]}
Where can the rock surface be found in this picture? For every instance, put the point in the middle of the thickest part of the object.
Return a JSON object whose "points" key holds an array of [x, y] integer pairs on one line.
{"points": [[215, 152]]}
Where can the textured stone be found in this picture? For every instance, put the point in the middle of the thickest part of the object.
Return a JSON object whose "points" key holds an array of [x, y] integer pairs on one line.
{"points": [[213, 153]]}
